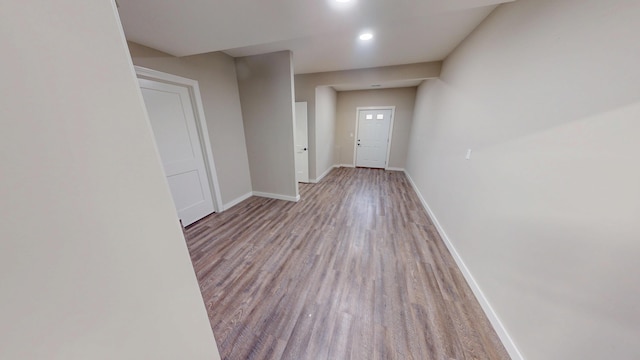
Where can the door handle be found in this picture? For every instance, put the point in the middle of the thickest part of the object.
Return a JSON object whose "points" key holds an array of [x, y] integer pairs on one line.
{"points": [[305, 149]]}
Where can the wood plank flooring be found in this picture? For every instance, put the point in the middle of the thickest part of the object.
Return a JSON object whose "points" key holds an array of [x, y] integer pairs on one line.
{"points": [[355, 270]]}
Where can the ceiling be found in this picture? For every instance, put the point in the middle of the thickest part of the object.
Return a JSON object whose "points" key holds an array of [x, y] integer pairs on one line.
{"points": [[322, 34]]}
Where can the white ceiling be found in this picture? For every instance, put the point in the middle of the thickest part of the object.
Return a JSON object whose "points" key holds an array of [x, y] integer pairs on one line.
{"points": [[322, 34]]}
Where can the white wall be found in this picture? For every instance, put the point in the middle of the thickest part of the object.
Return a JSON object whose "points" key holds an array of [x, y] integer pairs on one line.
{"points": [[326, 100], [266, 90], [216, 76], [93, 264], [348, 102], [545, 213]]}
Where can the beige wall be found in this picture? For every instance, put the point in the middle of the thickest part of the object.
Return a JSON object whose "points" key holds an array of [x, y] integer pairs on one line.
{"points": [[545, 213], [348, 101], [93, 263], [266, 94], [306, 84], [215, 73], [326, 100]]}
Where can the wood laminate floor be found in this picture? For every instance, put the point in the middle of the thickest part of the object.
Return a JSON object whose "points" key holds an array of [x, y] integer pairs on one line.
{"points": [[354, 270]]}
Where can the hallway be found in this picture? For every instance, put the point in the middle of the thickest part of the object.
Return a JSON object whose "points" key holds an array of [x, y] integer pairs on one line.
{"points": [[354, 270]]}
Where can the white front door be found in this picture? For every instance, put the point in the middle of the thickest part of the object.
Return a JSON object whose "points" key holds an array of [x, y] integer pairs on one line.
{"points": [[302, 143], [372, 142], [174, 127]]}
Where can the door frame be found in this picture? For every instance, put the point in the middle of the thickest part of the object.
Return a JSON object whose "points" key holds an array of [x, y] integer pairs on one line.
{"points": [[355, 139], [201, 124]]}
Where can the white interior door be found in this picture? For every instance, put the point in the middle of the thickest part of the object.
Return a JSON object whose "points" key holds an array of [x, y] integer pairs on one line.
{"points": [[302, 143], [372, 143], [174, 127]]}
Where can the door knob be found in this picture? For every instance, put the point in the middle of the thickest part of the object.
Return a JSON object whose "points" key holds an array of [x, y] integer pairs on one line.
{"points": [[305, 149]]}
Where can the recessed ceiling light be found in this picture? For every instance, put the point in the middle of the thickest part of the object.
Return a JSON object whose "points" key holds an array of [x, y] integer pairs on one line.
{"points": [[342, 5], [366, 36]]}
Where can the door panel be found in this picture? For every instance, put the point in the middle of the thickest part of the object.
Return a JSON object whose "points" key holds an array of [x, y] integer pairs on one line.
{"points": [[170, 125], [372, 142], [301, 142], [187, 189], [174, 127]]}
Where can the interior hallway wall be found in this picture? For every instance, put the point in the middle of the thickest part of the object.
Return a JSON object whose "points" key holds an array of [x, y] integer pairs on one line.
{"points": [[93, 262], [266, 90], [326, 100], [545, 213]]}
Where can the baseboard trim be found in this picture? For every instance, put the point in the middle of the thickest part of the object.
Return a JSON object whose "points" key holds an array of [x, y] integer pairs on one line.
{"points": [[277, 196], [317, 180], [504, 336], [394, 169], [347, 165], [236, 201]]}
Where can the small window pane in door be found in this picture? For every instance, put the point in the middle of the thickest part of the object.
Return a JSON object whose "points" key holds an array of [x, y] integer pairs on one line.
{"points": [[369, 117], [380, 116]]}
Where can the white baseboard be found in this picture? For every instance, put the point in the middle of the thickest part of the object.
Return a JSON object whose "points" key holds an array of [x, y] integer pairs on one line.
{"points": [[506, 339], [236, 201], [317, 180], [387, 169], [277, 196]]}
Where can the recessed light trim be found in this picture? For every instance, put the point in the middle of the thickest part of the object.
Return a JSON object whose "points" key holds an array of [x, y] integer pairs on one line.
{"points": [[366, 36], [342, 1]]}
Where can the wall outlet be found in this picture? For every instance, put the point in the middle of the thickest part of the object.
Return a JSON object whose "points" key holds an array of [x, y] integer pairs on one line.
{"points": [[468, 156]]}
